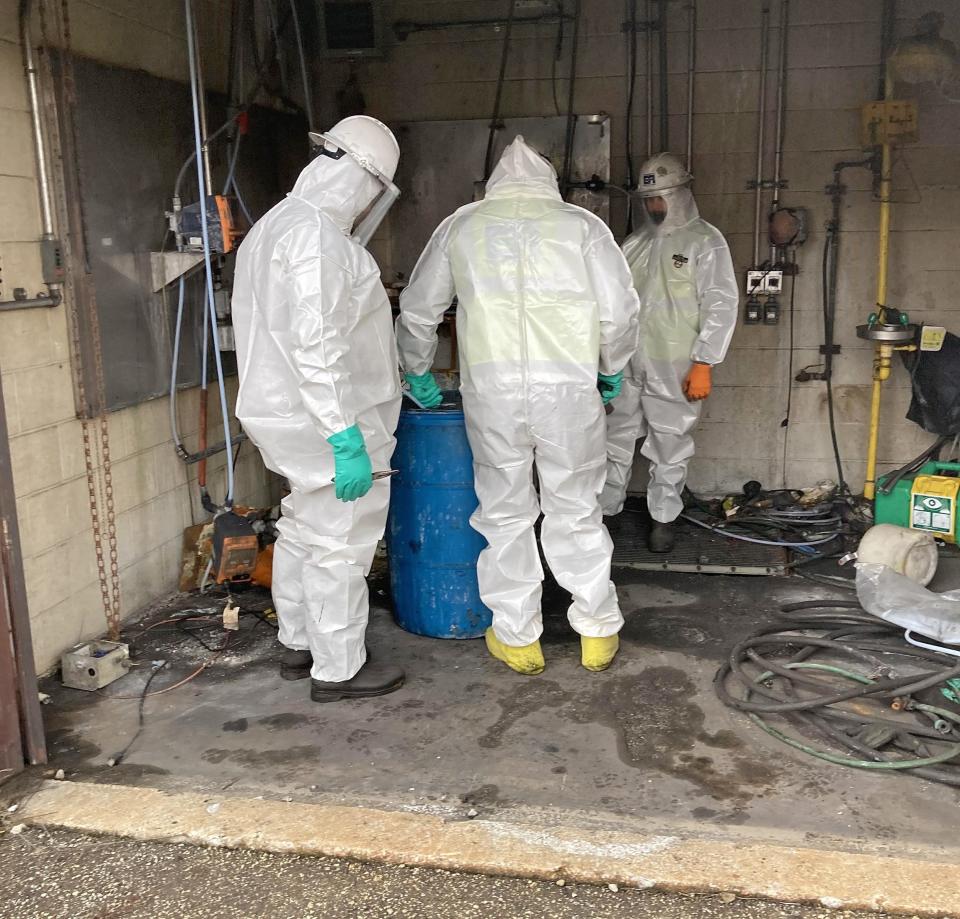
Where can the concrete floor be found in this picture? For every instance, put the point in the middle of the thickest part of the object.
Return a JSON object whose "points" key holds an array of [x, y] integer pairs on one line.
{"points": [[56, 873], [644, 745]]}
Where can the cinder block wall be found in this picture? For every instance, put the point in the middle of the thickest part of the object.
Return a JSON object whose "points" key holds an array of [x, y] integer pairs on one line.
{"points": [[155, 492], [833, 55]]}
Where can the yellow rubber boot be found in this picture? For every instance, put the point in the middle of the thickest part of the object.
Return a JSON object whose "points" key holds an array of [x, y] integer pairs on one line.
{"points": [[527, 660], [598, 653]]}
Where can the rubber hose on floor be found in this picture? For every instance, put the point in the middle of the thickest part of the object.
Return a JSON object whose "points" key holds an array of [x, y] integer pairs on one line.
{"points": [[843, 686]]}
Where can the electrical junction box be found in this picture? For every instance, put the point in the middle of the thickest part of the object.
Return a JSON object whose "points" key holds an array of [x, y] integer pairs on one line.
{"points": [[764, 281], [754, 281], [92, 665], [893, 121], [773, 281], [924, 501], [51, 261]]}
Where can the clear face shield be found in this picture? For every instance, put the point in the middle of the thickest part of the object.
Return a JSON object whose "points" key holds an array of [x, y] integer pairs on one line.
{"points": [[374, 213]]}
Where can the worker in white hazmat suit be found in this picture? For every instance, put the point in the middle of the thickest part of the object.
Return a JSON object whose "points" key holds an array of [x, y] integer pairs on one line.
{"points": [[688, 292], [319, 396], [546, 309]]}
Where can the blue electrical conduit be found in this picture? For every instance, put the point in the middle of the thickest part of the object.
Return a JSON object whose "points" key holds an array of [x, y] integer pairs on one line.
{"points": [[231, 182], [174, 426], [211, 322], [307, 95], [182, 452]]}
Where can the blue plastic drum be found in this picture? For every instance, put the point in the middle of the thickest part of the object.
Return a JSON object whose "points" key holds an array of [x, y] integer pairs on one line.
{"points": [[433, 549]]}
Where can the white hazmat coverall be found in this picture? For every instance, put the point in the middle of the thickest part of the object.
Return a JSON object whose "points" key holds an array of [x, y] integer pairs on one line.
{"points": [[316, 354], [545, 302], [688, 307]]}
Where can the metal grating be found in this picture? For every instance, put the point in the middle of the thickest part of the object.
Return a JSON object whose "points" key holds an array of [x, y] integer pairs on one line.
{"points": [[696, 550]]}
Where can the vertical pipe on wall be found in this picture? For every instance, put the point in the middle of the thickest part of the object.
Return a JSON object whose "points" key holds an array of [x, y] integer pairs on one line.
{"points": [[884, 352], [43, 167], [761, 124], [304, 72], [691, 74], [781, 110], [649, 50], [495, 117], [662, 64], [204, 139], [571, 115]]}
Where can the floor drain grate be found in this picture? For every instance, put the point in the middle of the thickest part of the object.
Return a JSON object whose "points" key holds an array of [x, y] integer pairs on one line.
{"points": [[696, 550]]}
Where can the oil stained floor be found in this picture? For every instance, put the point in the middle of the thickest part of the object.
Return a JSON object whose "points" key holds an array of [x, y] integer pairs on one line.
{"points": [[644, 745]]}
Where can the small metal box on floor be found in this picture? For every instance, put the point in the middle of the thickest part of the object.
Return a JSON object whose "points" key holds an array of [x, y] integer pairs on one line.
{"points": [[94, 664]]}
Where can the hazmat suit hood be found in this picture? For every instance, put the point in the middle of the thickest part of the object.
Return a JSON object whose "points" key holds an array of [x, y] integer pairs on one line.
{"points": [[681, 210], [522, 171], [341, 188]]}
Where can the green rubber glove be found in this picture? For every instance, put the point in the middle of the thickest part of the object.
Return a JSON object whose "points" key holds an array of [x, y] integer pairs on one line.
{"points": [[354, 474], [424, 389], [609, 385]]}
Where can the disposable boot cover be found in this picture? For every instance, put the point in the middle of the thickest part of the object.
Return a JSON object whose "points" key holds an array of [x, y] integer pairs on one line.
{"points": [[545, 302], [894, 597], [688, 306], [316, 355]]}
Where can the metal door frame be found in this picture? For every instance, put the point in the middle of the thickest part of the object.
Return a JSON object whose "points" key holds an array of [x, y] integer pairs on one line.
{"points": [[21, 723]]}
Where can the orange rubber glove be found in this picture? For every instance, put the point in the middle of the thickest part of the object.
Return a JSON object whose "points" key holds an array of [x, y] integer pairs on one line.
{"points": [[696, 384]]}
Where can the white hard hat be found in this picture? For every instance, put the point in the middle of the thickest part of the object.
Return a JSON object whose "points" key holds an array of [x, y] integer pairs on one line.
{"points": [[370, 142], [661, 173]]}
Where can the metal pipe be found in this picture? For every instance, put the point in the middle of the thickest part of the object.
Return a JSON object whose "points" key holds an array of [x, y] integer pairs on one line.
{"points": [[761, 125], [202, 191], [403, 29], [662, 64], [498, 97], [649, 51], [307, 94], [691, 74], [28, 303], [781, 108], [201, 93], [571, 115], [13, 595], [43, 169]]}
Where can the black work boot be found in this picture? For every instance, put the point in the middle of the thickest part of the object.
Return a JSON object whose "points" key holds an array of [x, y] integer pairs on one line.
{"points": [[662, 537], [374, 678], [295, 665]]}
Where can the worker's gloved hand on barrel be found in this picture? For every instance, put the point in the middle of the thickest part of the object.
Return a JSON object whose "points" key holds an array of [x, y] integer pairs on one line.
{"points": [[609, 385], [696, 384], [424, 389], [353, 476]]}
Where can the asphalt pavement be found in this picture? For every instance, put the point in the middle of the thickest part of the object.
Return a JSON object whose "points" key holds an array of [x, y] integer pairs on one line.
{"points": [[59, 874]]}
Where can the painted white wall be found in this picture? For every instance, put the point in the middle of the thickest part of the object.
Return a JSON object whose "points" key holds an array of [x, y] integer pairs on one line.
{"points": [[833, 59]]}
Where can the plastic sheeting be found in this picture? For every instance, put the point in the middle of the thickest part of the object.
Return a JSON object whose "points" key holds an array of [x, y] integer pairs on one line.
{"points": [[895, 598]]}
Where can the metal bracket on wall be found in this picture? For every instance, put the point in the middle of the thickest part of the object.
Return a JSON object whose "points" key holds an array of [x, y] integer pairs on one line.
{"points": [[166, 267], [753, 184]]}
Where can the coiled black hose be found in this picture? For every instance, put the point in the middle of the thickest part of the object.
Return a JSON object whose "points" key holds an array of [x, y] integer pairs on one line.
{"points": [[799, 672]]}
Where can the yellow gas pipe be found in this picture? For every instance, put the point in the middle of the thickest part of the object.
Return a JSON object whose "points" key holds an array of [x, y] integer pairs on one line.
{"points": [[884, 352]]}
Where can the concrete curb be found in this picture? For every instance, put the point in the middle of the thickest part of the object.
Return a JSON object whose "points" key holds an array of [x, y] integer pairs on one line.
{"points": [[672, 863]]}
